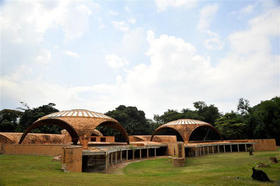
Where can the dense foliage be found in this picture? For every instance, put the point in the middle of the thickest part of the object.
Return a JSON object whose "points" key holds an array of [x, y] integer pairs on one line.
{"points": [[132, 119], [202, 112], [18, 121], [9, 120], [259, 121]]}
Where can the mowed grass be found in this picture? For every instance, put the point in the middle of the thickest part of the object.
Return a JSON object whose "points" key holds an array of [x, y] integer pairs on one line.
{"points": [[218, 169]]}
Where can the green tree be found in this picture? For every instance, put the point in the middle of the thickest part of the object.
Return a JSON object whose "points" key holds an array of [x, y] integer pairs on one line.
{"points": [[132, 119], [167, 116], [30, 115], [207, 113], [243, 106], [232, 126], [264, 119], [9, 120]]}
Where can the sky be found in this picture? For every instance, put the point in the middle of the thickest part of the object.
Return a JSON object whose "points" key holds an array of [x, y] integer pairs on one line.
{"points": [[155, 55]]}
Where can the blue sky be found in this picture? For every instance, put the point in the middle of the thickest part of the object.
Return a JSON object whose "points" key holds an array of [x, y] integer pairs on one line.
{"points": [[156, 55]]}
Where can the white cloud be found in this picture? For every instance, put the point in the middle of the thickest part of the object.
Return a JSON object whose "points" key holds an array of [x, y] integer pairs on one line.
{"points": [[71, 53], [121, 25], [25, 20], [247, 10], [213, 44], [175, 76], [115, 61], [164, 4], [44, 56], [124, 25], [131, 21], [207, 13]]}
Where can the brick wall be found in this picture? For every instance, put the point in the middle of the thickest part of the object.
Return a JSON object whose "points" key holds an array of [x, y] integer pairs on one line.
{"points": [[32, 149], [264, 144]]}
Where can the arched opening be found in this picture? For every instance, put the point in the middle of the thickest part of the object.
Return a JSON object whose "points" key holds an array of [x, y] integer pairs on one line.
{"points": [[109, 128], [168, 131], [5, 139], [56, 122], [204, 133]]}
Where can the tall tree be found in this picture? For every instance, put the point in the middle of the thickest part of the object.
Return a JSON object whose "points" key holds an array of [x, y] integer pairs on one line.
{"points": [[208, 113], [264, 119], [9, 120], [132, 119], [232, 126], [167, 116], [30, 115]]}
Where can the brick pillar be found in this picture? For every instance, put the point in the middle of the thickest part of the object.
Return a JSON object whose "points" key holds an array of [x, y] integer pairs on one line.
{"points": [[72, 159], [116, 157], [237, 147], [147, 152], [155, 152], [121, 155], [224, 148], [106, 162], [140, 153], [133, 154], [230, 148], [126, 155]]}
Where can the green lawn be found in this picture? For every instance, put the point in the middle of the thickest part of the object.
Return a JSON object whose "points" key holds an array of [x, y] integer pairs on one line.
{"points": [[219, 169]]}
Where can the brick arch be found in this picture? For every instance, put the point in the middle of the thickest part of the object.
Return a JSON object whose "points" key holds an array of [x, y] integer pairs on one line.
{"points": [[117, 126], [203, 126], [185, 130], [161, 129], [5, 139], [57, 122]]}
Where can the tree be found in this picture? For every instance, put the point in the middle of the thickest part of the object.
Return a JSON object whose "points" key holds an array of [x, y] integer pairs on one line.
{"points": [[167, 116], [232, 126], [30, 115], [207, 113], [9, 120], [243, 106], [132, 119], [264, 119]]}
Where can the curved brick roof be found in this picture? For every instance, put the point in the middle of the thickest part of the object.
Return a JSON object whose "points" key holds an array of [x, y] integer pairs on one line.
{"points": [[80, 123], [186, 122], [76, 113], [184, 127]]}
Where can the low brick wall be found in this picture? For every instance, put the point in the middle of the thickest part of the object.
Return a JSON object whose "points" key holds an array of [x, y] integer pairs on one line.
{"points": [[32, 149], [264, 144]]}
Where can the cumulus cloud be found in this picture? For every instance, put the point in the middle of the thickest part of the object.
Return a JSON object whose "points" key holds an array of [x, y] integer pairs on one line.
{"points": [[115, 61], [248, 9], [44, 56], [124, 26], [213, 44], [176, 75], [164, 4], [121, 25], [71, 53], [207, 13]]}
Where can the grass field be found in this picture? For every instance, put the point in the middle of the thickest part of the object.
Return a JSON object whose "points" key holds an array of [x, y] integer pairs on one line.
{"points": [[218, 169]]}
